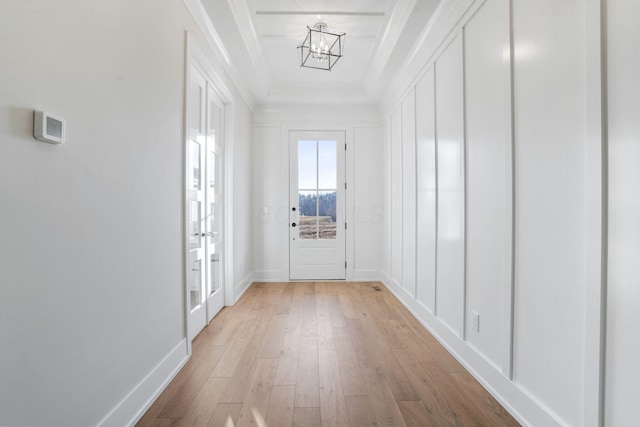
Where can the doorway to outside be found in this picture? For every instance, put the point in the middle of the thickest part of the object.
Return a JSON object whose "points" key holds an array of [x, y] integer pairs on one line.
{"points": [[317, 241], [204, 198]]}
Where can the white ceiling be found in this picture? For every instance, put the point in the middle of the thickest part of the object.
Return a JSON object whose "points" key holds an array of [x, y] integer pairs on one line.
{"points": [[261, 37]]}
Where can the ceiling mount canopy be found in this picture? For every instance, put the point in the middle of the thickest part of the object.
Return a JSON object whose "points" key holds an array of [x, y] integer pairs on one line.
{"points": [[321, 49]]}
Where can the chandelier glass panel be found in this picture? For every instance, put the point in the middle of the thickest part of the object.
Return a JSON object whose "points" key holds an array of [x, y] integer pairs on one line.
{"points": [[321, 49]]}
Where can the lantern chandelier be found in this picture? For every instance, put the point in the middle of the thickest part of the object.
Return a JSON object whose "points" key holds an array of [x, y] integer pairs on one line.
{"points": [[321, 49]]}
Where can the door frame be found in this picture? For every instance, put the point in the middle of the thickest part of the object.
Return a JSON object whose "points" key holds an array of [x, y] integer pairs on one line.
{"points": [[286, 127], [195, 55], [294, 137]]}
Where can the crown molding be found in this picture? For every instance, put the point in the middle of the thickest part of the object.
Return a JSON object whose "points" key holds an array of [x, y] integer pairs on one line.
{"points": [[205, 25], [242, 15], [393, 30]]}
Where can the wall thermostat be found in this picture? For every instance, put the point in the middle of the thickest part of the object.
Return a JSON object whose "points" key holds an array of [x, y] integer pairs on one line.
{"points": [[48, 128]]}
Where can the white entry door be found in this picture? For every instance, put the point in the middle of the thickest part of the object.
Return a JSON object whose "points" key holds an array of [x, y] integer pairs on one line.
{"points": [[203, 202], [317, 206]]}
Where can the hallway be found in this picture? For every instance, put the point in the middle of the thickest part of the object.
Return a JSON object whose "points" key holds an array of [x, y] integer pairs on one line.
{"points": [[322, 353]]}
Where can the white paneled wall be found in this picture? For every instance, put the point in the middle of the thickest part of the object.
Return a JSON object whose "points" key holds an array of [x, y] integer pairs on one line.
{"points": [[623, 299], [498, 198], [386, 173], [409, 194], [489, 178], [426, 190], [450, 268], [396, 195], [550, 203]]}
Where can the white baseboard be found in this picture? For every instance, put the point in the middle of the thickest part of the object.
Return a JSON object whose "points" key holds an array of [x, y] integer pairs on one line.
{"points": [[135, 404], [270, 276], [367, 276], [240, 288], [524, 407]]}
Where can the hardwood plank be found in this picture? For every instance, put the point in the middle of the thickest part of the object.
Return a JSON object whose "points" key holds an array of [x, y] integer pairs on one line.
{"points": [[411, 341], [385, 406], [446, 360], [205, 403], [307, 383], [272, 341], [254, 407], [437, 407], [485, 403], [309, 319], [345, 299], [230, 358], [395, 376], [360, 411], [323, 318], [335, 312], [333, 411], [415, 414], [225, 415], [361, 344], [306, 417], [352, 381], [166, 422], [280, 409], [184, 396], [287, 372], [457, 401]]}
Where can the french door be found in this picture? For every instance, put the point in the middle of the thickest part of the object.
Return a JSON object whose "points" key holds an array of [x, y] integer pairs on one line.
{"points": [[204, 199], [317, 206]]}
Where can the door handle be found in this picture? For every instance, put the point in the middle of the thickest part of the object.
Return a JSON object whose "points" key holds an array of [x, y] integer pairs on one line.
{"points": [[293, 224]]}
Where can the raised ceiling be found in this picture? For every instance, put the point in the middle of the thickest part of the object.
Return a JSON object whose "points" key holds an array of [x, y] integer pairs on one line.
{"points": [[261, 37]]}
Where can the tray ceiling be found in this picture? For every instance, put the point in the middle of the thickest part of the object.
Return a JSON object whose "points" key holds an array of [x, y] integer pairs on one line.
{"points": [[261, 37]]}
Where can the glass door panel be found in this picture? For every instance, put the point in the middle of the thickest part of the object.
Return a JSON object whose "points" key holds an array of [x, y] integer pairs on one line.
{"points": [[317, 244]]}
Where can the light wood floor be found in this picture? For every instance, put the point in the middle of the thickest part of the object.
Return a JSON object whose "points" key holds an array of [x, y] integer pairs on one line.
{"points": [[322, 354]]}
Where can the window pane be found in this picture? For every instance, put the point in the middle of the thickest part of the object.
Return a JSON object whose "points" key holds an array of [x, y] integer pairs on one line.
{"points": [[195, 285], [216, 270], [327, 162], [211, 162], [327, 214], [214, 122], [307, 217], [194, 164], [194, 224], [307, 164]]}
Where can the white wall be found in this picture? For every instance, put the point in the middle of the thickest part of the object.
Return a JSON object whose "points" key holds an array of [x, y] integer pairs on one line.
{"points": [[623, 297], [242, 238], [91, 295], [508, 154], [365, 206]]}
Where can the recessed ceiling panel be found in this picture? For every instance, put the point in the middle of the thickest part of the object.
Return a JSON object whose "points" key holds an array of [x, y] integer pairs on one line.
{"points": [[379, 6], [290, 25], [282, 58]]}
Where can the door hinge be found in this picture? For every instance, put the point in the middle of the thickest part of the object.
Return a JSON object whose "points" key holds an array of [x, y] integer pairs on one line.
{"points": [[345, 147], [345, 185], [345, 225], [345, 264]]}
